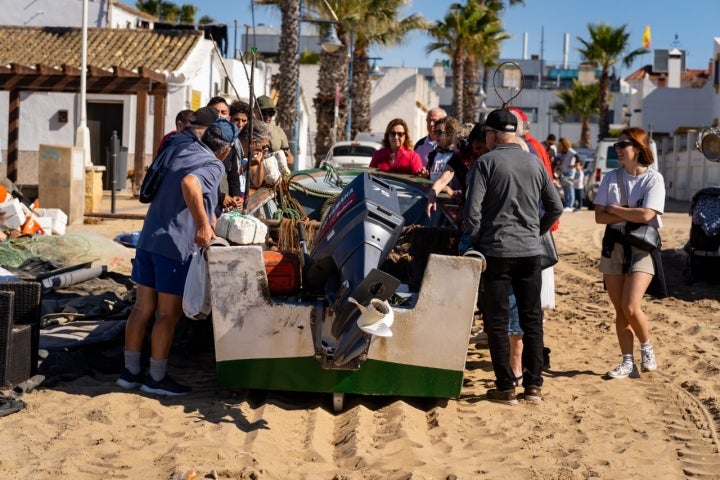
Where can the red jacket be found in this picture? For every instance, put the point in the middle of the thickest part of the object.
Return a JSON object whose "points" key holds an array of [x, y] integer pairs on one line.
{"points": [[406, 161]]}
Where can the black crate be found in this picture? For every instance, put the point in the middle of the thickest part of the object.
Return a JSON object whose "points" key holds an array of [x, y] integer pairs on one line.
{"points": [[15, 345]]}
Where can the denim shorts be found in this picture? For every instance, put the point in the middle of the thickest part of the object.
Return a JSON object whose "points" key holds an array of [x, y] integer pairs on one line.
{"points": [[514, 317], [163, 274]]}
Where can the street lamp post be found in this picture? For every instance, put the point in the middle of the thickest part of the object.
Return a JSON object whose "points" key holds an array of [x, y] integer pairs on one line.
{"points": [[348, 125], [560, 122], [330, 43]]}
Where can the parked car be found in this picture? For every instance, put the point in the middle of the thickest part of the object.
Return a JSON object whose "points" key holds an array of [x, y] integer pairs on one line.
{"points": [[606, 159], [351, 154]]}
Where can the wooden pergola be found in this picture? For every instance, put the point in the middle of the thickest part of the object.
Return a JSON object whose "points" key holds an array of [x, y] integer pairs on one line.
{"points": [[144, 82]]}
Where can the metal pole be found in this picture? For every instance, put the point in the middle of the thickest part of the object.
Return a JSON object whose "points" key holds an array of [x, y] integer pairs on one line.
{"points": [[82, 135], [296, 126], [348, 126], [114, 150]]}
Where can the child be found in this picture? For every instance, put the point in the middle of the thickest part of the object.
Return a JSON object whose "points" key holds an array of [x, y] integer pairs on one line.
{"points": [[578, 181]]}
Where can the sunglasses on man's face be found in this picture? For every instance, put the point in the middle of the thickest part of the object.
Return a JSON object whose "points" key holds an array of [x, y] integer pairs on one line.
{"points": [[269, 112]]}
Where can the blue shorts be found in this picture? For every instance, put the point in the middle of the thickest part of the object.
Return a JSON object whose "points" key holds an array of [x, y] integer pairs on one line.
{"points": [[514, 317], [161, 273]]}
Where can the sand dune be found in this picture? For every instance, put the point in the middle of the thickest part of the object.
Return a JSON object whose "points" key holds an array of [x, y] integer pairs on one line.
{"points": [[661, 425]]}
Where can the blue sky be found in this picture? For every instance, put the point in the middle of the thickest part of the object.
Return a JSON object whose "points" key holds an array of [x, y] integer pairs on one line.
{"points": [[695, 22]]}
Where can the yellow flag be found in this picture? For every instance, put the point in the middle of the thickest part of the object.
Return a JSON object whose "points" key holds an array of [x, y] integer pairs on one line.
{"points": [[646, 39]]}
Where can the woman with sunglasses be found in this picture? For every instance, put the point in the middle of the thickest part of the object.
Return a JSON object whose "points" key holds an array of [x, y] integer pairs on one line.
{"points": [[397, 154], [632, 193]]}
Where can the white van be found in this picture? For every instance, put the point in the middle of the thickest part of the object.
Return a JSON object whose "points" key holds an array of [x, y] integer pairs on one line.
{"points": [[606, 159]]}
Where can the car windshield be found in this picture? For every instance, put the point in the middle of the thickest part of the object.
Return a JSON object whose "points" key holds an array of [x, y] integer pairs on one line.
{"points": [[611, 159], [353, 151]]}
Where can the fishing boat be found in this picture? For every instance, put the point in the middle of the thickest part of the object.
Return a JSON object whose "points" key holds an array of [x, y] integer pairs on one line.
{"points": [[344, 330]]}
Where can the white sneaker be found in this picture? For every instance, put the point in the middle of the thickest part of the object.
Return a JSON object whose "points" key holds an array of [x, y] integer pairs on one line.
{"points": [[648, 363], [623, 370]]}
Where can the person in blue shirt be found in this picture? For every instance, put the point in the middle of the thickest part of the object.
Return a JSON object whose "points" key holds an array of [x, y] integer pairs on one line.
{"points": [[180, 219]]}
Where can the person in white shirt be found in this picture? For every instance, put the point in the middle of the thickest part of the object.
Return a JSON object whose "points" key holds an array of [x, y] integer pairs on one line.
{"points": [[428, 143], [578, 180]]}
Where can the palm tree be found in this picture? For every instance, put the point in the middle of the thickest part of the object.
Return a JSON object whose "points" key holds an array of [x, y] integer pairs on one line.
{"points": [[469, 32], [187, 14], [368, 23], [607, 46], [583, 100], [165, 11], [377, 24], [289, 66], [483, 50]]}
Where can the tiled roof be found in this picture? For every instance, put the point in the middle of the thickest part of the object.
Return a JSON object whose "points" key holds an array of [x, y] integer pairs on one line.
{"points": [[130, 49], [692, 77]]}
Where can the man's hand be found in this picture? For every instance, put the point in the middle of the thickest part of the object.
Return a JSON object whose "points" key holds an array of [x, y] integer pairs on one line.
{"points": [[204, 235], [229, 202]]}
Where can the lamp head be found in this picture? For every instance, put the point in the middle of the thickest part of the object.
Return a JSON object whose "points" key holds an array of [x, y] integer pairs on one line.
{"points": [[330, 42]]}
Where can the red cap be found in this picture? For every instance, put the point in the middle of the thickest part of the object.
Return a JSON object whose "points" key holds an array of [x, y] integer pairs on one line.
{"points": [[523, 117]]}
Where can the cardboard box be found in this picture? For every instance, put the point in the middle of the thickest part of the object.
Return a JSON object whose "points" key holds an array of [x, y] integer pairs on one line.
{"points": [[11, 214]]}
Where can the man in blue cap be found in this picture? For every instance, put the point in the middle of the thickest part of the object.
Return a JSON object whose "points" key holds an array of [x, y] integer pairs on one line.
{"points": [[180, 219], [503, 223]]}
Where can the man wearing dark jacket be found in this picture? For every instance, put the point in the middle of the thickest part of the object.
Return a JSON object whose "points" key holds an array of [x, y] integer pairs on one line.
{"points": [[506, 187]]}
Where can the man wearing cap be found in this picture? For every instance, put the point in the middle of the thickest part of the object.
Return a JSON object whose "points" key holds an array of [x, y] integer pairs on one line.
{"points": [[179, 220], [278, 139], [503, 224], [168, 150]]}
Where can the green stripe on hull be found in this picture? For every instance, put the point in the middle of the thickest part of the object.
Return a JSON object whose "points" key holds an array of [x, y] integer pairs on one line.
{"points": [[304, 374]]}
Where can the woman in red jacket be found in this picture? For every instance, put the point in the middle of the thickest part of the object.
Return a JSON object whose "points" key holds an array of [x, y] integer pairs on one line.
{"points": [[397, 154]]}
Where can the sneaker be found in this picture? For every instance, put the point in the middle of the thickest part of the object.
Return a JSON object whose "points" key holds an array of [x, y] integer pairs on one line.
{"points": [[507, 397], [621, 371], [533, 394], [166, 386], [129, 380], [648, 363]]}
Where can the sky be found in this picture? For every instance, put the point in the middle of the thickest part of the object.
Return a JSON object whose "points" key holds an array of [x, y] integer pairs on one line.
{"points": [[689, 25]]}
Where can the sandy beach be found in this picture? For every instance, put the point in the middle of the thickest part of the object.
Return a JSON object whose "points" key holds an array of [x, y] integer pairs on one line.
{"points": [[663, 425]]}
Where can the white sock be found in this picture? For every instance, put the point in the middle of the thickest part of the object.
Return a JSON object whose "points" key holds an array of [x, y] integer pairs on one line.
{"points": [[132, 362], [646, 346], [158, 368], [628, 359]]}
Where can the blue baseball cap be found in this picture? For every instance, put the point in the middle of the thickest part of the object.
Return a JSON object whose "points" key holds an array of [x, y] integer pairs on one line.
{"points": [[222, 129]]}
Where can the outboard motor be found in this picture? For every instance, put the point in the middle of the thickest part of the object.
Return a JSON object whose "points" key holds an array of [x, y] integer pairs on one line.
{"points": [[356, 236]]}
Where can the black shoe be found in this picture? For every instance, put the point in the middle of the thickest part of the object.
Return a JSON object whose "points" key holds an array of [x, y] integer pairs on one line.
{"points": [[166, 386], [129, 380], [507, 397], [533, 394], [546, 358]]}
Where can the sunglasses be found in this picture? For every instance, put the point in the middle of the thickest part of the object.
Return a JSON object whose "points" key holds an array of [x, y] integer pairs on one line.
{"points": [[623, 144], [270, 112], [397, 134], [439, 132]]}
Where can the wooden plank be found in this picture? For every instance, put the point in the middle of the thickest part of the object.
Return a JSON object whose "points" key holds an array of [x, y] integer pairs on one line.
{"points": [[140, 123], [13, 135]]}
